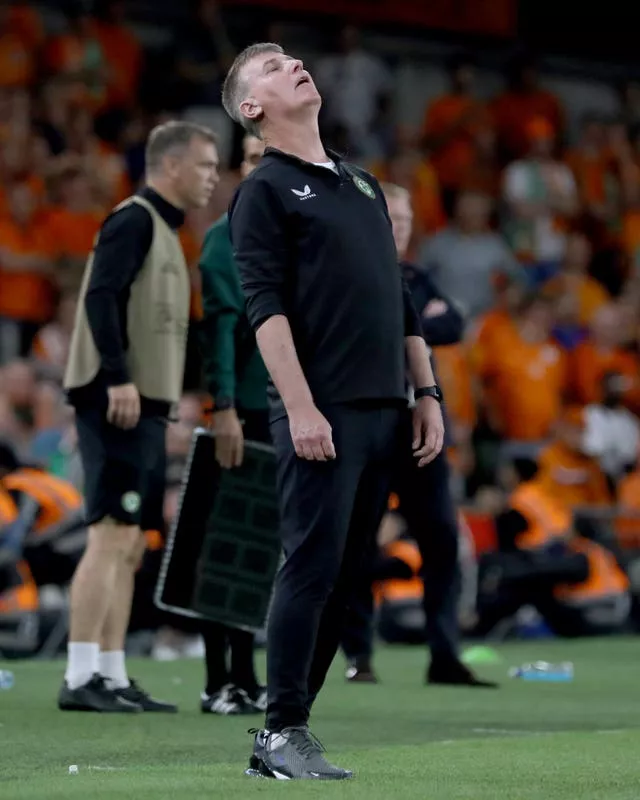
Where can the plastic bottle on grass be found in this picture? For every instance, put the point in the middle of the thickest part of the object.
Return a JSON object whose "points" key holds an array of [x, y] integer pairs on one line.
{"points": [[6, 679], [544, 671]]}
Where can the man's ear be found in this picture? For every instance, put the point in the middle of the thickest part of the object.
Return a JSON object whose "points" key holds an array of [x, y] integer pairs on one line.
{"points": [[251, 110]]}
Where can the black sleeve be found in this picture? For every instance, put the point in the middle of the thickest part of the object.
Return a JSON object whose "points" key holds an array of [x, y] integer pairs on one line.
{"points": [[122, 247], [509, 525], [448, 328], [257, 224], [412, 325]]}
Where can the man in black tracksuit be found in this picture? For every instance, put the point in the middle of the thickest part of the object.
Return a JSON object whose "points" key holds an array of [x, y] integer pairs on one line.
{"points": [[426, 502], [335, 326]]}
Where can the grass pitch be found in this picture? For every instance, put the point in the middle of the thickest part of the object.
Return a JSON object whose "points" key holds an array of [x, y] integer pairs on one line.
{"points": [[526, 741]]}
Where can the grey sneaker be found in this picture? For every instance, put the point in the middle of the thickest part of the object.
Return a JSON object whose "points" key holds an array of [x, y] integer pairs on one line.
{"points": [[292, 754]]}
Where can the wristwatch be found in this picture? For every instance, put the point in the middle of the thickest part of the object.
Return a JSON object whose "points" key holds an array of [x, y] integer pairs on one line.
{"points": [[222, 403], [429, 391]]}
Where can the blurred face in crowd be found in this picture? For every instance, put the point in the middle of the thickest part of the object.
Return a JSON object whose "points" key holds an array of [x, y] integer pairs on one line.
{"points": [[252, 148], [22, 203], [536, 320], [18, 383], [194, 172], [578, 253], [401, 214], [607, 327], [278, 87], [76, 192], [472, 212]]}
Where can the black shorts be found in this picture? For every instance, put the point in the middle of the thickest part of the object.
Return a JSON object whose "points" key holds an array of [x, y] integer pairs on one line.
{"points": [[124, 470]]}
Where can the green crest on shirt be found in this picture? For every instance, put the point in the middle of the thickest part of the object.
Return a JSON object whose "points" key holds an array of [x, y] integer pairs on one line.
{"points": [[364, 187]]}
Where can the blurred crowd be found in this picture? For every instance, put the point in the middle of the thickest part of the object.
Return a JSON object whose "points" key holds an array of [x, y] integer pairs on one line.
{"points": [[533, 236]]}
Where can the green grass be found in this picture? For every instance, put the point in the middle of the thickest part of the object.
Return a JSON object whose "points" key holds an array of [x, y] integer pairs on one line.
{"points": [[527, 741]]}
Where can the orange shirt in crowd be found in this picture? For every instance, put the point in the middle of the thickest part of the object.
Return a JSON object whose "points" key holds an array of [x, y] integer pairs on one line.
{"points": [[591, 174], [491, 329], [588, 365], [123, 53], [455, 378], [524, 386], [463, 114], [514, 111], [73, 232], [589, 295], [631, 235], [628, 526], [424, 188], [24, 295], [572, 478], [17, 61], [26, 22]]}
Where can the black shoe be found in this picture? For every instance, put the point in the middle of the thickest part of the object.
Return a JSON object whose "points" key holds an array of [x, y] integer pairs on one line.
{"points": [[355, 675], [94, 696], [229, 701], [454, 673], [134, 694], [292, 754], [258, 697]]}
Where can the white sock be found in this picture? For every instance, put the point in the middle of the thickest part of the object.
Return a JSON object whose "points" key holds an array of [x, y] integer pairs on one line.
{"points": [[113, 669], [83, 661]]}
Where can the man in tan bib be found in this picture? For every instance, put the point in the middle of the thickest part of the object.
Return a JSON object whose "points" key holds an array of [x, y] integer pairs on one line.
{"points": [[125, 371]]}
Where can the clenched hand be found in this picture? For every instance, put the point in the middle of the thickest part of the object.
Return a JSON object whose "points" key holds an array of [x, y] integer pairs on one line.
{"points": [[229, 438], [124, 406], [428, 430], [311, 435]]}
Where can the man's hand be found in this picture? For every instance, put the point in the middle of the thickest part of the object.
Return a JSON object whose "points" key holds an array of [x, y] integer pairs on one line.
{"points": [[124, 406], [311, 434], [428, 430], [229, 438]]}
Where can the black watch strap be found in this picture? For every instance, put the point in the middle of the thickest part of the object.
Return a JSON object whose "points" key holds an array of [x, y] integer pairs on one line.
{"points": [[429, 391]]}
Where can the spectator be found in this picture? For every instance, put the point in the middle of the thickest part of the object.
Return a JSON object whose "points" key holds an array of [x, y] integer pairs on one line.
{"points": [[451, 125], [464, 258], [541, 196], [573, 281], [99, 160], [27, 281], [612, 433], [483, 173], [597, 183], [522, 102], [406, 168], [356, 87], [77, 55], [18, 42], [603, 353], [72, 223], [122, 52], [51, 344], [524, 376], [566, 471]]}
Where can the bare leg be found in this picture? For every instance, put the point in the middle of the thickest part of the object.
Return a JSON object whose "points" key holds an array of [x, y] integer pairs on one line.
{"points": [[92, 591]]}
